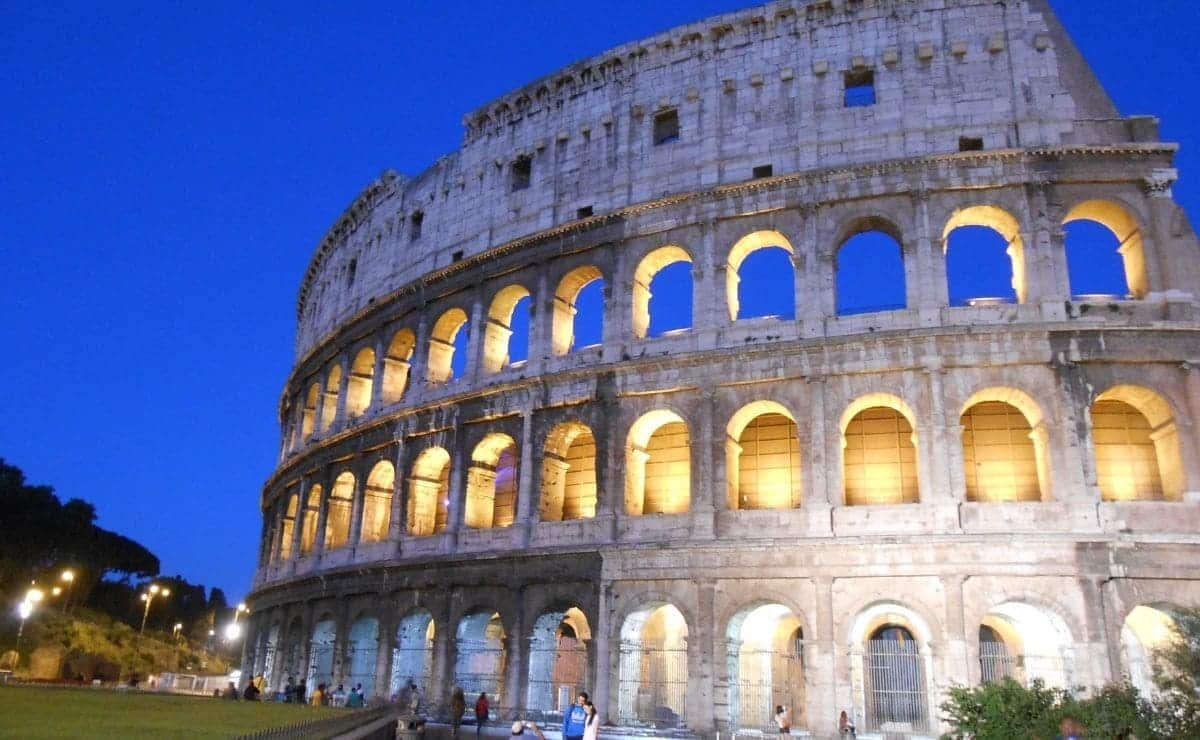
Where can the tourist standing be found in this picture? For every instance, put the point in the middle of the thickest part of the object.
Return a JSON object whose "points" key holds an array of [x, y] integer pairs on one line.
{"points": [[783, 718], [591, 727], [845, 726], [318, 696], [338, 697], [251, 692], [354, 699], [575, 718], [458, 705], [481, 712]]}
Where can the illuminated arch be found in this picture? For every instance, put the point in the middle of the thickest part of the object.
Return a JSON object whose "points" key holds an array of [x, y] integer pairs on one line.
{"points": [[441, 346], [337, 515], [650, 266], [1004, 224], [308, 523], [329, 404], [429, 492], [879, 451], [397, 364], [362, 644], [492, 483], [1148, 629], [481, 658], [1124, 226], [1005, 447], [1025, 642], [377, 502], [653, 663], [498, 330], [558, 657], [565, 313], [892, 668], [762, 458], [308, 420], [875, 243], [412, 658], [658, 465], [1136, 444], [287, 526], [765, 661], [321, 653], [568, 474], [743, 248], [360, 382]]}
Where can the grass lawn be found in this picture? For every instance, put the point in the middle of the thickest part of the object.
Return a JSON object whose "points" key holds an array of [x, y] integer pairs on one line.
{"points": [[31, 713]]}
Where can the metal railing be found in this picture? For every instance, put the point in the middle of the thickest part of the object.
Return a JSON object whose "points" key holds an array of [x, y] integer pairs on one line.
{"points": [[653, 687], [320, 728], [895, 687]]}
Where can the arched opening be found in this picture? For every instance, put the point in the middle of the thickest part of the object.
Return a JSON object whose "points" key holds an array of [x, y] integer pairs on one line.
{"points": [[653, 669], [271, 649], [330, 401], [363, 648], [568, 474], [412, 658], [397, 364], [879, 452], [895, 681], [287, 527], [492, 483], [1025, 643], [760, 277], [377, 502], [445, 357], [337, 518], [662, 292], [766, 667], [308, 419], [869, 269], [1147, 630], [1136, 446], [359, 384], [308, 525], [429, 492], [985, 257], [578, 310], [658, 465], [506, 335], [293, 646], [1105, 253], [558, 660], [762, 458], [320, 654], [1001, 459], [481, 658]]}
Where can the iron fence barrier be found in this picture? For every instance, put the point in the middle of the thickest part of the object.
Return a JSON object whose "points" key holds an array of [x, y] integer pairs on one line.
{"points": [[327, 727]]}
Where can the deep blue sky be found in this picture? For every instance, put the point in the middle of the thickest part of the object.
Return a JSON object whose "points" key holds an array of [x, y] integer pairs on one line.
{"points": [[167, 170]]}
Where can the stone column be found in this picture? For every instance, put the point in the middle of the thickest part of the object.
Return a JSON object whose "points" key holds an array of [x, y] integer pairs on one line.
{"points": [[1189, 441], [925, 266], [819, 495], [441, 680], [957, 667], [699, 715], [381, 348], [708, 311], [704, 486], [818, 278], [339, 417], [525, 478], [397, 520], [541, 324], [1049, 285], [939, 453], [322, 515], [460, 461], [823, 676], [603, 666], [383, 654], [356, 509], [618, 310], [476, 345]]}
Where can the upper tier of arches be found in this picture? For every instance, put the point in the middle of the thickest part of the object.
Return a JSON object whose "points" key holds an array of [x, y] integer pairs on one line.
{"points": [[875, 272]]}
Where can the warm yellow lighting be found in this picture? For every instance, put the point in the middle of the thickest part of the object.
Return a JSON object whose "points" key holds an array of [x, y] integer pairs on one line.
{"points": [[154, 588], [68, 576], [242, 607], [55, 591], [34, 595], [24, 609], [233, 631], [166, 592]]}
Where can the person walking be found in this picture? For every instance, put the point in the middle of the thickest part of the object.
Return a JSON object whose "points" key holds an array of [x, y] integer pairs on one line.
{"points": [[575, 718], [251, 692], [591, 726], [783, 718], [458, 705], [318, 697], [481, 712]]}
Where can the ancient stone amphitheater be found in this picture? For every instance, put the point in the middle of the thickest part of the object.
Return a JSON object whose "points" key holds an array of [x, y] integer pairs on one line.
{"points": [[896, 488]]}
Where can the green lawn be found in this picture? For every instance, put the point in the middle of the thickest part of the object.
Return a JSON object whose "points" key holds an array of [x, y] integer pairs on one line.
{"points": [[31, 713]]}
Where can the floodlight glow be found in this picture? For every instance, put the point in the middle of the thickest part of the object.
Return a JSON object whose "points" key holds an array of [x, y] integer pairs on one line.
{"points": [[233, 631]]}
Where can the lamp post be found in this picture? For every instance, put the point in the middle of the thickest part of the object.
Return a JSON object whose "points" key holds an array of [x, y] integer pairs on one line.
{"points": [[178, 628], [68, 577], [25, 610], [148, 597]]}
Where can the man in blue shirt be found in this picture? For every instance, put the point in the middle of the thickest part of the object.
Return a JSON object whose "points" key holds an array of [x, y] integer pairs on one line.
{"points": [[575, 718]]}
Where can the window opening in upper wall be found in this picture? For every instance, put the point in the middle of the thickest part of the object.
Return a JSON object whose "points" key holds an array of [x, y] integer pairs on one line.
{"points": [[763, 170], [970, 144], [415, 221], [585, 212], [860, 88], [456, 256], [350, 271], [666, 127], [522, 170]]}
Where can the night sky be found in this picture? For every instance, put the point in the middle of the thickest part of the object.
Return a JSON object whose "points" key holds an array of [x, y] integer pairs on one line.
{"points": [[168, 170]]}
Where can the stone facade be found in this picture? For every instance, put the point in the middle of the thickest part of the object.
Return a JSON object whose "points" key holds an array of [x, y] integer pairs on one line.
{"points": [[588, 517]]}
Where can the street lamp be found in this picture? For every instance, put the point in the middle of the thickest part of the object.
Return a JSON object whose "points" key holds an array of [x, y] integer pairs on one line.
{"points": [[178, 628], [68, 577], [32, 598], [148, 597]]}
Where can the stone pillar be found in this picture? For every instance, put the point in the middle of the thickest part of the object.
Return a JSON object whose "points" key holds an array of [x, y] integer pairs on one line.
{"points": [[1075, 438], [926, 290], [942, 453], [618, 310], [956, 664], [1189, 441], [381, 348], [1049, 284], [516, 667], [298, 522], [356, 510], [705, 488], [825, 693], [460, 461], [339, 416], [708, 310], [383, 654], [541, 324], [605, 680], [818, 495], [322, 515], [700, 663], [476, 345], [525, 480], [818, 278], [835, 468], [397, 520]]}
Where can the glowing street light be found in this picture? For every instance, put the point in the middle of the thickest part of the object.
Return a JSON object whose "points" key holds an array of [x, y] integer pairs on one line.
{"points": [[233, 631], [148, 597], [68, 577], [178, 628]]}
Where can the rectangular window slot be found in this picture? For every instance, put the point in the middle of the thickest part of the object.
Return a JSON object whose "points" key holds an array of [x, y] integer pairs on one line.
{"points": [[860, 88], [584, 212], [522, 169], [970, 144], [457, 256], [415, 221], [666, 127], [763, 170], [353, 268]]}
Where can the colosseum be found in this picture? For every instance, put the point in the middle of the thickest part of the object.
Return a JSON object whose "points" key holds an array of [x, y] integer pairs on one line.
{"points": [[504, 469]]}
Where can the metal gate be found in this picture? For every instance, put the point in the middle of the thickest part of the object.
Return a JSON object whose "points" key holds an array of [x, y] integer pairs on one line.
{"points": [[778, 681], [480, 670], [362, 668], [320, 666], [411, 663], [566, 677], [895, 687], [995, 662], [653, 686]]}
